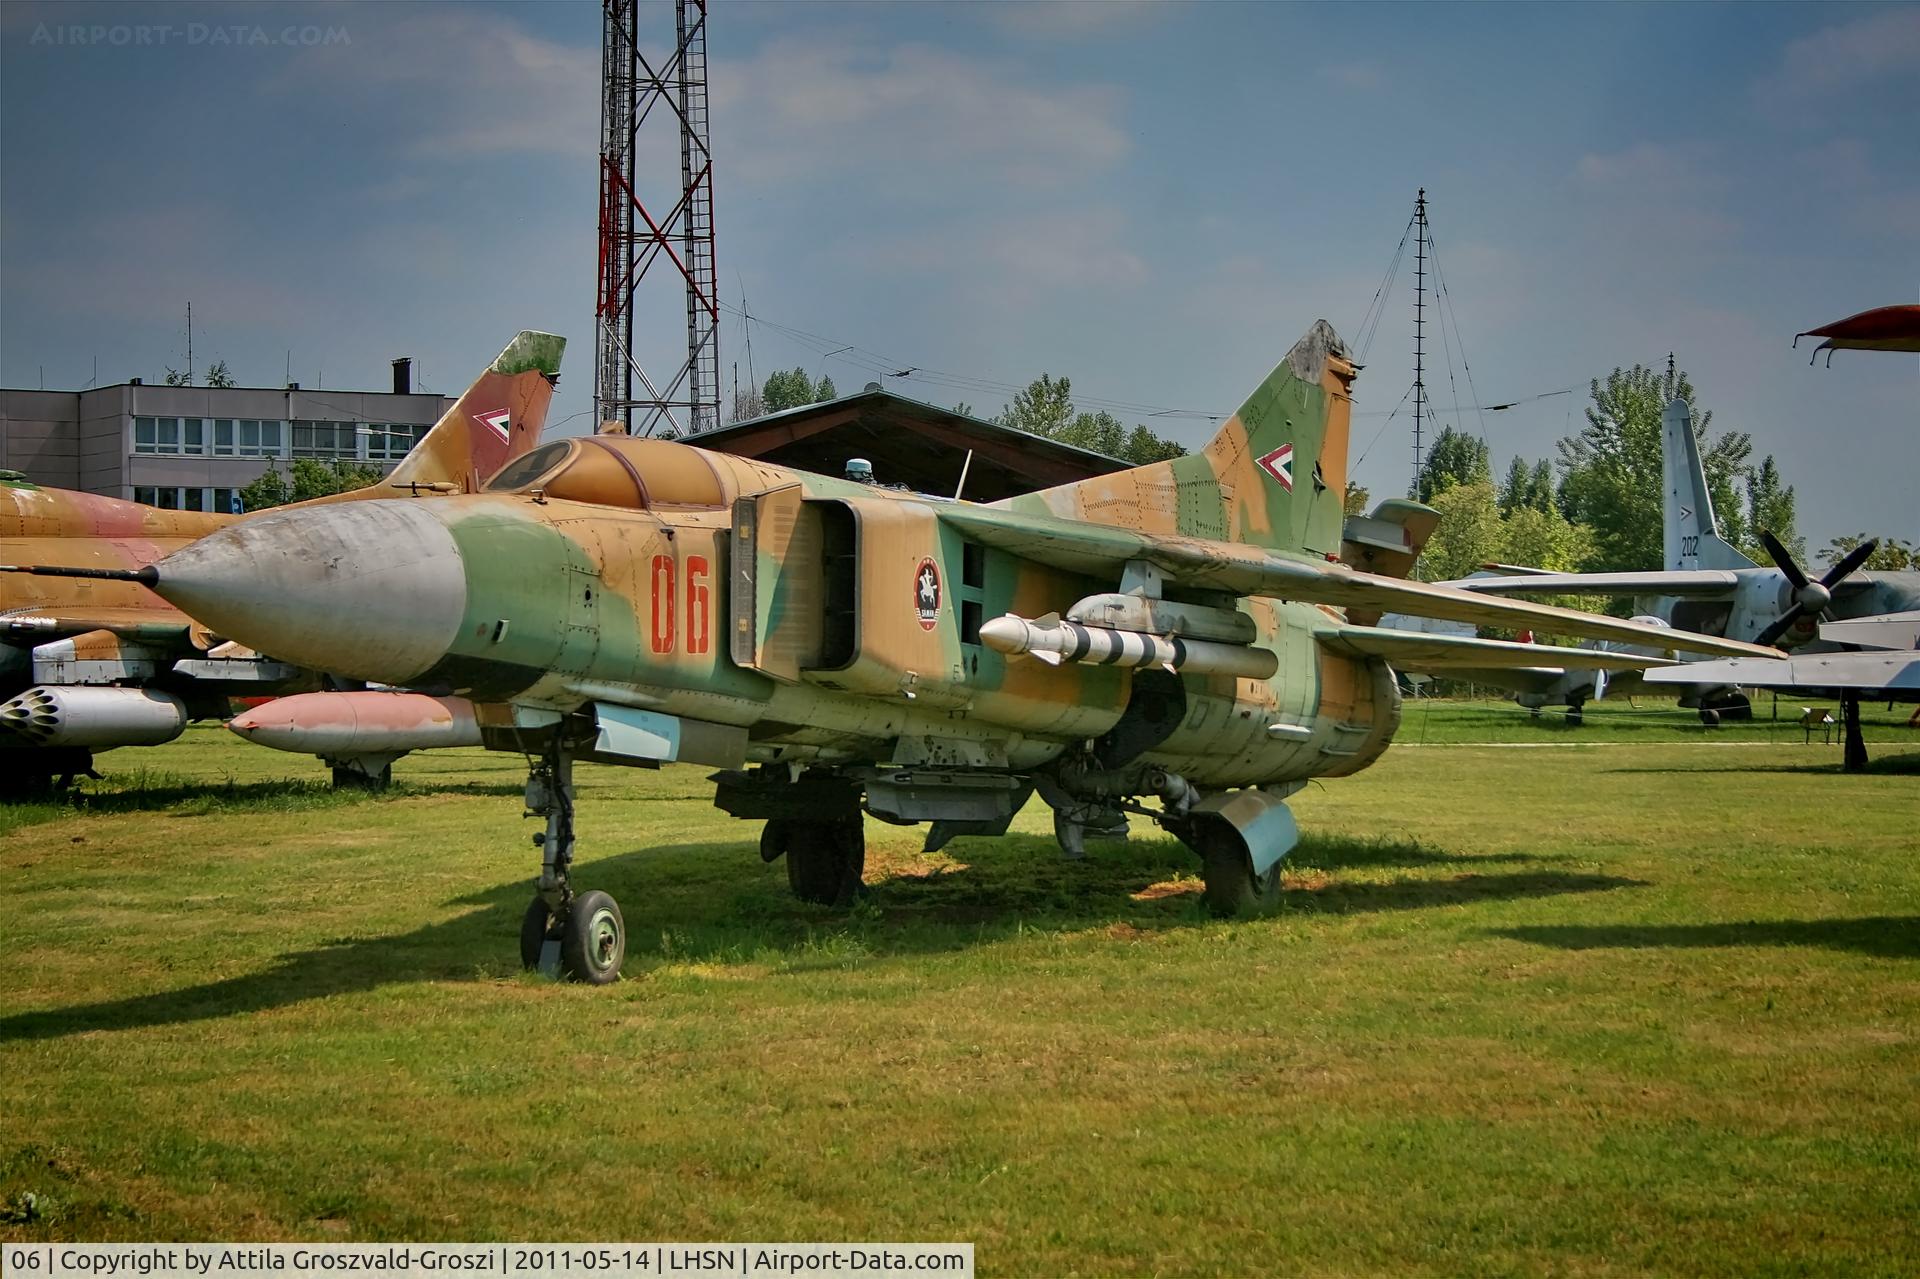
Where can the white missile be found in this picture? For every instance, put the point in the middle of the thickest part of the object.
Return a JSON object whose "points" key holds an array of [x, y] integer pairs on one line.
{"points": [[1054, 641], [359, 723]]}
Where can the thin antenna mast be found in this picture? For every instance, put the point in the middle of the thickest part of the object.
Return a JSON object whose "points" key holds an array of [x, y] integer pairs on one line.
{"points": [[189, 344], [1419, 332]]}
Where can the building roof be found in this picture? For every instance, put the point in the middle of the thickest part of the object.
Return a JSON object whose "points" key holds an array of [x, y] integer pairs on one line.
{"points": [[909, 442]]}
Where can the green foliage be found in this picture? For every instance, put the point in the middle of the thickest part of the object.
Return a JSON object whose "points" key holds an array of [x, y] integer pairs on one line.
{"points": [[175, 377], [1544, 539], [1356, 500], [1891, 556], [1527, 486], [1455, 458], [790, 389], [305, 478], [1770, 507], [218, 376], [1469, 534], [1045, 407], [1612, 469]]}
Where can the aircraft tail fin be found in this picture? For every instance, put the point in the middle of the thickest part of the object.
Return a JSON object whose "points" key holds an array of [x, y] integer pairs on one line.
{"points": [[1692, 535], [499, 417], [1273, 476]]}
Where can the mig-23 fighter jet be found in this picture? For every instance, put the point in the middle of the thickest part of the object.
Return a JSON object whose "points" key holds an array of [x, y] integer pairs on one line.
{"points": [[1172, 632]]}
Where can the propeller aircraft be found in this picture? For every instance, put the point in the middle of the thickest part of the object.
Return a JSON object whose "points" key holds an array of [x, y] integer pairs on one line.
{"points": [[1709, 586], [1192, 632]]}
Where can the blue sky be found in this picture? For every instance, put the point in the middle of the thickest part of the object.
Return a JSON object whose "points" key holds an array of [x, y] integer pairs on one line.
{"points": [[1153, 199]]}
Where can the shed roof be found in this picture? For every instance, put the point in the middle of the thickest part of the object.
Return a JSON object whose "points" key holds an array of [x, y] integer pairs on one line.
{"points": [[910, 442]]}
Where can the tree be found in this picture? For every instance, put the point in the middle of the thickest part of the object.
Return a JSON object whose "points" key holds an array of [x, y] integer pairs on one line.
{"points": [[1356, 499], [1770, 507], [1527, 487], [1455, 458], [305, 478], [217, 375], [792, 388], [1612, 469], [1045, 407], [175, 377], [1469, 534], [1891, 556], [1544, 539]]}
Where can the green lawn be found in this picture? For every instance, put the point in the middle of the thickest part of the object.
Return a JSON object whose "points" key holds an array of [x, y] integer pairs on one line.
{"points": [[1648, 1003]]}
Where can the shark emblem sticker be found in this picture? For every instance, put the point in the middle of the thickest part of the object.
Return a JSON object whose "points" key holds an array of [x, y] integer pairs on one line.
{"points": [[1279, 465], [497, 420], [926, 594]]}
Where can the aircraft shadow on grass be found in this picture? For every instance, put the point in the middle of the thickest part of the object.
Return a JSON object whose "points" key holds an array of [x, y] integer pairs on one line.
{"points": [[1886, 936], [1878, 765], [198, 798], [716, 902]]}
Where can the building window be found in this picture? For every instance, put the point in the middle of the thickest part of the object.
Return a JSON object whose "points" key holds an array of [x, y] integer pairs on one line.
{"points": [[223, 437], [223, 501], [193, 436], [257, 438], [325, 439], [393, 441], [156, 435]]}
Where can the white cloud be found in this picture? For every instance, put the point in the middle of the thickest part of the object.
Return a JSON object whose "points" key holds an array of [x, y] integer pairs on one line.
{"points": [[1069, 19], [1011, 260], [1673, 193], [907, 114], [463, 81], [1843, 58], [1362, 76]]}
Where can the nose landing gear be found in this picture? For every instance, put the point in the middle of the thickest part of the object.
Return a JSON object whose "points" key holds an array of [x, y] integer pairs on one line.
{"points": [[580, 936]]}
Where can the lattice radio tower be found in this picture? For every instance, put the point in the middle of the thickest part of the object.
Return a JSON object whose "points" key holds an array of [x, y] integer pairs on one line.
{"points": [[1421, 243], [633, 241]]}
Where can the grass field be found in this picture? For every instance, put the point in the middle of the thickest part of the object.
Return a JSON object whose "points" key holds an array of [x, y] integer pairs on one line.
{"points": [[1647, 1002]]}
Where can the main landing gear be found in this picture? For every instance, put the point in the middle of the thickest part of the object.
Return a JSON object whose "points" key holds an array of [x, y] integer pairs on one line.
{"points": [[825, 856], [578, 935]]}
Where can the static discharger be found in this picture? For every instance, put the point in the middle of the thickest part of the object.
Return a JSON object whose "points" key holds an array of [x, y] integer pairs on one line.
{"points": [[1054, 641]]}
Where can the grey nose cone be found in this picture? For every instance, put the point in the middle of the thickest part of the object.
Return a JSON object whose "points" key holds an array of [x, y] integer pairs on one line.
{"points": [[374, 590]]}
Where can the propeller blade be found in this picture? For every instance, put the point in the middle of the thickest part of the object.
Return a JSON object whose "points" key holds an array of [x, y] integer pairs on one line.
{"points": [[1779, 625], [1851, 561], [1782, 559]]}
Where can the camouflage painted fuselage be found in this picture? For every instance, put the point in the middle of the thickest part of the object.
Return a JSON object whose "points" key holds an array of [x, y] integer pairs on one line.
{"points": [[805, 618]]}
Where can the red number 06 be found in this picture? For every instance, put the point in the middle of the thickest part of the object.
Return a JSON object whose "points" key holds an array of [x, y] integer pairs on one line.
{"points": [[699, 595]]}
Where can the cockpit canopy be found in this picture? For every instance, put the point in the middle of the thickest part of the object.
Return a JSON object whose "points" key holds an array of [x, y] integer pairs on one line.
{"points": [[637, 474]]}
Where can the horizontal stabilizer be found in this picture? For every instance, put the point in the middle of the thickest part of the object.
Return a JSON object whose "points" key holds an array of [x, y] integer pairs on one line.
{"points": [[1875, 672], [1410, 651], [1887, 630], [1701, 583], [1247, 570]]}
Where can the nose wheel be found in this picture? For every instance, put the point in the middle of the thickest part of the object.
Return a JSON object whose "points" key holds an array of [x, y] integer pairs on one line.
{"points": [[580, 936]]}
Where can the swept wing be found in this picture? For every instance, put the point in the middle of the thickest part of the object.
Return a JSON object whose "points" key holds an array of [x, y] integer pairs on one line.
{"points": [[1247, 570]]}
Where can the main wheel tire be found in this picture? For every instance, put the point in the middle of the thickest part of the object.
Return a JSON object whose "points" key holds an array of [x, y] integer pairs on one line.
{"points": [[1233, 891], [774, 838], [826, 859], [594, 944], [1576, 716], [536, 927]]}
